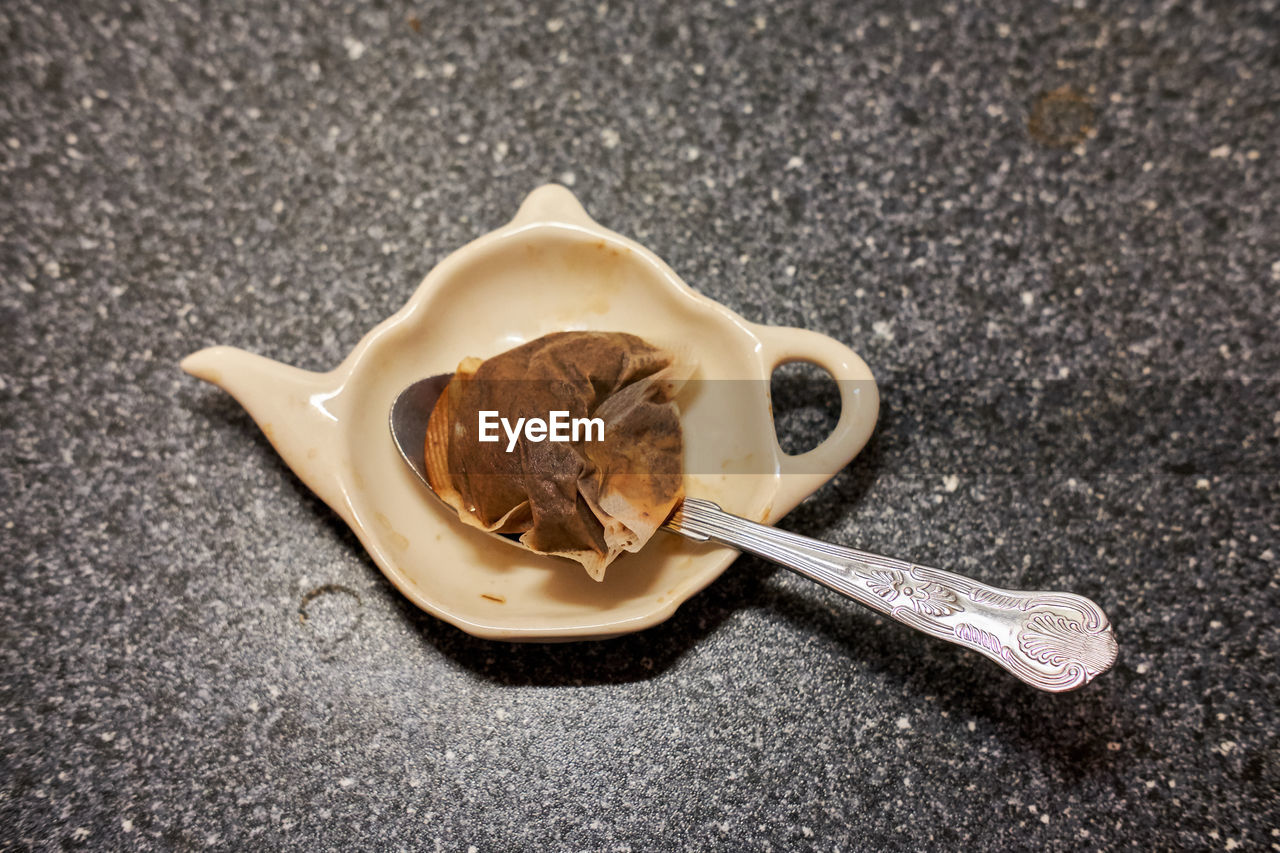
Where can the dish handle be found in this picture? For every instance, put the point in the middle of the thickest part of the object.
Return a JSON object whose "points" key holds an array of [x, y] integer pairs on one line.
{"points": [[804, 473]]}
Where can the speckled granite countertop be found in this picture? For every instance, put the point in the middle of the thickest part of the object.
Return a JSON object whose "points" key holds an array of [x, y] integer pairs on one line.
{"points": [[1051, 231]]}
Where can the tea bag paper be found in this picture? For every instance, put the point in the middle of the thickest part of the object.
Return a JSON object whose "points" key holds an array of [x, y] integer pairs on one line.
{"points": [[588, 500]]}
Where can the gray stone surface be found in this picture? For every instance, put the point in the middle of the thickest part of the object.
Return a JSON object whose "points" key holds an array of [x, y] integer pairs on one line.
{"points": [[1050, 229]]}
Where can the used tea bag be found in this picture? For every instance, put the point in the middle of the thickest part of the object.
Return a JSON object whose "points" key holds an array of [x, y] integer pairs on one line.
{"points": [[588, 500]]}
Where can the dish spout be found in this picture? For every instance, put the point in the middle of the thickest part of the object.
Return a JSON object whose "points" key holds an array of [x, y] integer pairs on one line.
{"points": [[297, 410]]}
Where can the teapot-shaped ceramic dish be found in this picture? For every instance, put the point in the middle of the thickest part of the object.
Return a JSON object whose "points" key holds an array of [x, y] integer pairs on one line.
{"points": [[552, 268]]}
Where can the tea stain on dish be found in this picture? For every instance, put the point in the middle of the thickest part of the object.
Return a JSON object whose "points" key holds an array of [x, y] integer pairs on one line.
{"points": [[603, 276], [738, 464], [398, 539]]}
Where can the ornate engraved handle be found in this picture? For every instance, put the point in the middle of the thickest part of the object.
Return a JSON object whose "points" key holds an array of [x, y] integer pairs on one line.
{"points": [[1055, 641]]}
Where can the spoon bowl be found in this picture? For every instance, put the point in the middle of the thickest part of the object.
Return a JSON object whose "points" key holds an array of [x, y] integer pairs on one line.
{"points": [[410, 414]]}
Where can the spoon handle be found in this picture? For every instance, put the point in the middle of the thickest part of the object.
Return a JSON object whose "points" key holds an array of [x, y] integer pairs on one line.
{"points": [[1055, 641]]}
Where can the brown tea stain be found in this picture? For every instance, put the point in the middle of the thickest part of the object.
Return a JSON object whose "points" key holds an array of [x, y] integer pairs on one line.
{"points": [[598, 304], [602, 293], [738, 464], [415, 23], [497, 598], [1061, 118], [397, 539], [598, 299]]}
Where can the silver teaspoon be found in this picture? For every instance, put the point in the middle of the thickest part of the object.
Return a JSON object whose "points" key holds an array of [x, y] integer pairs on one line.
{"points": [[1055, 641]]}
